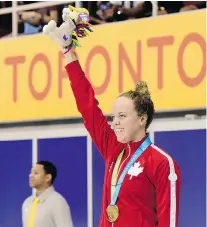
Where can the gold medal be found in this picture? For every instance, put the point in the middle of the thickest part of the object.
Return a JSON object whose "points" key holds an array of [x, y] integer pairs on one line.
{"points": [[112, 213]]}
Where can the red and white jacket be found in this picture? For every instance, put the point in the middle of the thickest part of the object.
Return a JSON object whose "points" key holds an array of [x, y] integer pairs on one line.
{"points": [[150, 199]]}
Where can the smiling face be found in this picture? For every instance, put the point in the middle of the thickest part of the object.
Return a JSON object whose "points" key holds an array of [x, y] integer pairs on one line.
{"points": [[128, 126]]}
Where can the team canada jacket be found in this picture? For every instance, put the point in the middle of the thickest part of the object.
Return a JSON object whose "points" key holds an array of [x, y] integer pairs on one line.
{"points": [[149, 198]]}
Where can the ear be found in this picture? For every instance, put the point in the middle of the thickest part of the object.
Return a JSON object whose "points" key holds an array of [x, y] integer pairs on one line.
{"points": [[48, 178], [143, 119]]}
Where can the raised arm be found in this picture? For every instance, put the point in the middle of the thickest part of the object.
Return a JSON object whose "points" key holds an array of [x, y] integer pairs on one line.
{"points": [[94, 120]]}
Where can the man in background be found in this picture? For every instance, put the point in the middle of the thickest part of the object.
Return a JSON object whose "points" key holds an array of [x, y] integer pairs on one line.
{"points": [[47, 208]]}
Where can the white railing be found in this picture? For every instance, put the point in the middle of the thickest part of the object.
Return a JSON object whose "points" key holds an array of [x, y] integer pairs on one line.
{"points": [[154, 8], [18, 8]]}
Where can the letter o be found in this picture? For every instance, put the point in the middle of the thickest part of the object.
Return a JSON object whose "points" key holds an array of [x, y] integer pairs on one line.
{"points": [[37, 94], [99, 50], [197, 38]]}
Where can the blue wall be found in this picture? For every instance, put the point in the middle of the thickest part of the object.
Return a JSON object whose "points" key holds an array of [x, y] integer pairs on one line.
{"points": [[70, 157], [16, 162]]}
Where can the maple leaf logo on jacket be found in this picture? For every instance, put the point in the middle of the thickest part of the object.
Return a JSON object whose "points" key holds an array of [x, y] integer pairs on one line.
{"points": [[135, 170]]}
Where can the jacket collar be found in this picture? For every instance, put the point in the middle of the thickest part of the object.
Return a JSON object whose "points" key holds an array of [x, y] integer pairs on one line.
{"points": [[135, 145], [44, 195]]}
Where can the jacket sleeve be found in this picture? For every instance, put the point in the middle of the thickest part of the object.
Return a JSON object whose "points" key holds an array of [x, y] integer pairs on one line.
{"points": [[167, 193], [94, 120]]}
